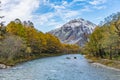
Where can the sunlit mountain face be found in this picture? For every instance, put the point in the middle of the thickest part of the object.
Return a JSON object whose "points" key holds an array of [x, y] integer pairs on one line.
{"points": [[75, 31]]}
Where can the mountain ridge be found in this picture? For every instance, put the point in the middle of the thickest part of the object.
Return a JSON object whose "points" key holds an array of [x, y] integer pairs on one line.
{"points": [[75, 31]]}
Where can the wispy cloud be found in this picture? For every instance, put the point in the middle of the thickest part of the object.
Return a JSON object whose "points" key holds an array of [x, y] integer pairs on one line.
{"points": [[97, 2], [86, 9], [99, 7], [24, 9], [60, 11]]}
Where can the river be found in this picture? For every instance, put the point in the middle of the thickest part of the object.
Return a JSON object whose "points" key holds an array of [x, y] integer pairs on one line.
{"points": [[59, 68]]}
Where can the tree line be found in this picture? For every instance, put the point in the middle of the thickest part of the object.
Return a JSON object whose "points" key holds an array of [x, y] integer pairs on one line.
{"points": [[104, 42], [18, 41]]}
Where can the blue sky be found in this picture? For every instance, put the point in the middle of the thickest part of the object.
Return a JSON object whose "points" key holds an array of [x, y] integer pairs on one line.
{"points": [[50, 14]]}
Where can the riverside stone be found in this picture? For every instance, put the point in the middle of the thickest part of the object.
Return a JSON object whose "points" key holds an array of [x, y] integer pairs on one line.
{"points": [[3, 66]]}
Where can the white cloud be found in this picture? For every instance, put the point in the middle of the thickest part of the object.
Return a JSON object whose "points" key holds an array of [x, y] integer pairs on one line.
{"points": [[45, 2], [63, 12], [44, 18], [22, 9], [97, 2], [86, 9], [60, 11], [99, 7], [75, 1]]}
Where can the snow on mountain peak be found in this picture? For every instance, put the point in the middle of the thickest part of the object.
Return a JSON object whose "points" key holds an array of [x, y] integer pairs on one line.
{"points": [[75, 31]]}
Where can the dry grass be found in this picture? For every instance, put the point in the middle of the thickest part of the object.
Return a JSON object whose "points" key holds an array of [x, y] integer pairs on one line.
{"points": [[107, 62]]}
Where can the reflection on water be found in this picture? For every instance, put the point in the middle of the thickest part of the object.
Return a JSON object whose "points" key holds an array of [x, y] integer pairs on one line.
{"points": [[59, 68]]}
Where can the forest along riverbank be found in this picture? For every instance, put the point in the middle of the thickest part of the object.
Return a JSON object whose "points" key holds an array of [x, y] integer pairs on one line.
{"points": [[65, 67], [43, 55], [20, 43]]}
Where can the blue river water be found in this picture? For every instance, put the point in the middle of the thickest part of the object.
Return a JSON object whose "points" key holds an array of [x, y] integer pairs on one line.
{"points": [[59, 68]]}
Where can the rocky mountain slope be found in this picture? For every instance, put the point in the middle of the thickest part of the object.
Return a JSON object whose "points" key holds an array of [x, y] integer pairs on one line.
{"points": [[74, 32]]}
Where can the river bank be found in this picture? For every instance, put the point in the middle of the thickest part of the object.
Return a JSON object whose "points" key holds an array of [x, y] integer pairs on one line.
{"points": [[110, 64], [101, 65], [7, 64], [106, 63], [58, 68]]}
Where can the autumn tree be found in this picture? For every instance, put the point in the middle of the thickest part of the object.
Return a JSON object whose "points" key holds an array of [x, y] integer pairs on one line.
{"points": [[71, 48], [16, 29], [104, 42], [12, 47], [53, 44]]}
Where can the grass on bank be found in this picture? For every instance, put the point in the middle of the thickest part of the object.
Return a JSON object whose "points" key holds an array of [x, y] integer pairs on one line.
{"points": [[111, 63], [14, 62]]}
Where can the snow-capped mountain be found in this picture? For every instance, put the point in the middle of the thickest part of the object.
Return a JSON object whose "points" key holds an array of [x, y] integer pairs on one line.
{"points": [[74, 32]]}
